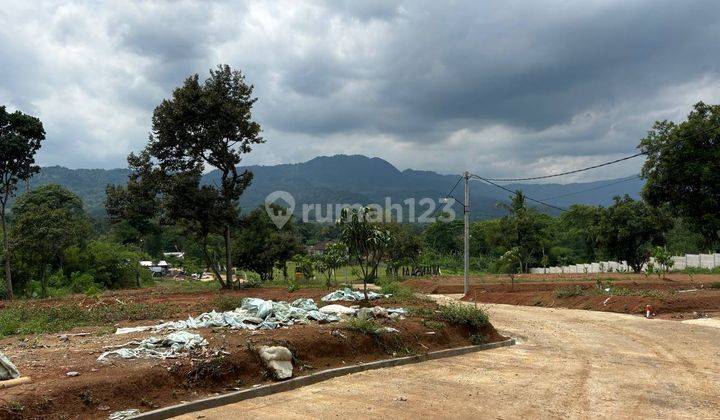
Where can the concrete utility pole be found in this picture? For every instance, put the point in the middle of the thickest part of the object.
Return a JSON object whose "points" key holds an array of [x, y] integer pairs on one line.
{"points": [[466, 214]]}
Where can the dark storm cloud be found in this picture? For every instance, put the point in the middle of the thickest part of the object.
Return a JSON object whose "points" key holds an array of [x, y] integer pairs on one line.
{"points": [[437, 85]]}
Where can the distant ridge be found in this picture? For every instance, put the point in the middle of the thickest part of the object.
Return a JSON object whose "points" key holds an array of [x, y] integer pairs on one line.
{"points": [[349, 179]]}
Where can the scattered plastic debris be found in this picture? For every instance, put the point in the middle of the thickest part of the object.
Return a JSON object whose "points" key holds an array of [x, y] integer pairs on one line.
{"points": [[124, 414], [171, 346], [338, 310], [350, 295], [253, 313], [278, 359], [72, 374], [7, 369], [390, 330]]}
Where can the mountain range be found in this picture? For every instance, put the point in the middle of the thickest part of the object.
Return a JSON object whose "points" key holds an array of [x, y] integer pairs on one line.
{"points": [[343, 179]]}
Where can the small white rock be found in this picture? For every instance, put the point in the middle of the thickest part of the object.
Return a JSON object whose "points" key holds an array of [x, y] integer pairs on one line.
{"points": [[278, 359], [73, 374]]}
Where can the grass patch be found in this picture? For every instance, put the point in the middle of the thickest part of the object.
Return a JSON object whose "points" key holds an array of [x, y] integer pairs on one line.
{"points": [[433, 325], [366, 326], [715, 285], [227, 303], [39, 320], [568, 291], [399, 292], [185, 286], [464, 315], [478, 339]]}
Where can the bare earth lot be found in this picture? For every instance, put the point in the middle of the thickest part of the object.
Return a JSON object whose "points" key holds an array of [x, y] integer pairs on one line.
{"points": [[678, 296], [569, 364], [228, 363]]}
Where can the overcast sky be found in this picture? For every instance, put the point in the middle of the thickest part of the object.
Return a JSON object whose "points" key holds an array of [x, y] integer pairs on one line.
{"points": [[504, 88]]}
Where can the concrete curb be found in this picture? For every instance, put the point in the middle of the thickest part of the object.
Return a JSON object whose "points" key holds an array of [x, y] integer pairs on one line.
{"points": [[294, 383]]}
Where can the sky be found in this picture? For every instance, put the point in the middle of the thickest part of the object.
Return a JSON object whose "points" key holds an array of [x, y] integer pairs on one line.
{"points": [[501, 88]]}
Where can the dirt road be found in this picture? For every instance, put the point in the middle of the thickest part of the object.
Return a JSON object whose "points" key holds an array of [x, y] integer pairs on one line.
{"points": [[569, 364]]}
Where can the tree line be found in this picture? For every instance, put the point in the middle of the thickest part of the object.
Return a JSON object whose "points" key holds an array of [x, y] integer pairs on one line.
{"points": [[50, 242]]}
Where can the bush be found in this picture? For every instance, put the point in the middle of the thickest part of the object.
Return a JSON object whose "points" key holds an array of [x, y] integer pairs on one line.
{"points": [[568, 291], [715, 285], [366, 326], [398, 291], [227, 303], [467, 315], [478, 339]]}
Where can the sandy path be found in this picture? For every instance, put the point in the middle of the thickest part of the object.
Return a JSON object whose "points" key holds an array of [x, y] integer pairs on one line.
{"points": [[569, 364]]}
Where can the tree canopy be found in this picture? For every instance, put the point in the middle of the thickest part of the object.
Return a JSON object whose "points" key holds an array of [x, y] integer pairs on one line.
{"points": [[682, 169], [20, 138]]}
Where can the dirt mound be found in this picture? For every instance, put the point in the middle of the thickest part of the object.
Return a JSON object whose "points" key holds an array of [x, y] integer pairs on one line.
{"points": [[230, 361]]}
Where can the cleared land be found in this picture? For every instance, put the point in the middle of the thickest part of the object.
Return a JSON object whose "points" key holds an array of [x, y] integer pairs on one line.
{"points": [[569, 364], [227, 363], [678, 296]]}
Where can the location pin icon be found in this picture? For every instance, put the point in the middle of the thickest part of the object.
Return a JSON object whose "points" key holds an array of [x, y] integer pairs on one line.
{"points": [[280, 216]]}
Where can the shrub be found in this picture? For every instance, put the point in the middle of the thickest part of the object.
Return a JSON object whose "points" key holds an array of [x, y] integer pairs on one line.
{"points": [[715, 285], [568, 291], [366, 326], [478, 338], [398, 291], [467, 315], [227, 303]]}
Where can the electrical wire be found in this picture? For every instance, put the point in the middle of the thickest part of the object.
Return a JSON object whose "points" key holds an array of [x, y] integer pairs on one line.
{"points": [[533, 178], [631, 178], [515, 192]]}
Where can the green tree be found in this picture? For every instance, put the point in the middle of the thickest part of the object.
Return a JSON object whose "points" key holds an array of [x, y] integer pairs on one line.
{"points": [[575, 232], [46, 222], [260, 245], [209, 125], [404, 249], [20, 138], [331, 259], [526, 230], [445, 237], [682, 169], [133, 209], [629, 229], [366, 242]]}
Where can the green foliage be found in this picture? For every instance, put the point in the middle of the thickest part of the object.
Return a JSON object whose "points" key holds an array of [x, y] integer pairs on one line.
{"points": [[681, 169], [50, 319], [399, 292], [207, 124], [366, 242], [445, 237], [526, 234], [629, 229], [260, 245], [20, 138], [227, 303], [366, 326], [715, 285], [568, 291], [467, 315], [305, 265], [478, 339]]}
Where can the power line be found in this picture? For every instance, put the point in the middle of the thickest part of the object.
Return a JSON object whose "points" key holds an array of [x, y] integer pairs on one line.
{"points": [[631, 178], [515, 192], [533, 178]]}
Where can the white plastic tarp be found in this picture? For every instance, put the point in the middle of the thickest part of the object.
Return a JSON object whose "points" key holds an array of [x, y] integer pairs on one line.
{"points": [[350, 295], [7, 369], [170, 346], [253, 313]]}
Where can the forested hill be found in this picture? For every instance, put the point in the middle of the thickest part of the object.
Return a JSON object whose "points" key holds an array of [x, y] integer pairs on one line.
{"points": [[343, 179]]}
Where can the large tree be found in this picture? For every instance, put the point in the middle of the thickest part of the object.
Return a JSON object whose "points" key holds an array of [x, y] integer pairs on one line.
{"points": [[135, 208], [20, 138], [209, 125], [682, 169], [47, 221], [629, 229], [260, 245]]}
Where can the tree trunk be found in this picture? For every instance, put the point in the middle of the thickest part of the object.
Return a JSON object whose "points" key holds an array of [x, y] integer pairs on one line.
{"points": [[228, 259], [6, 248], [43, 286]]}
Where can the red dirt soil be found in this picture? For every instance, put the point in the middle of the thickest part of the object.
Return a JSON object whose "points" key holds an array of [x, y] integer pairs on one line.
{"points": [[676, 297], [228, 363]]}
